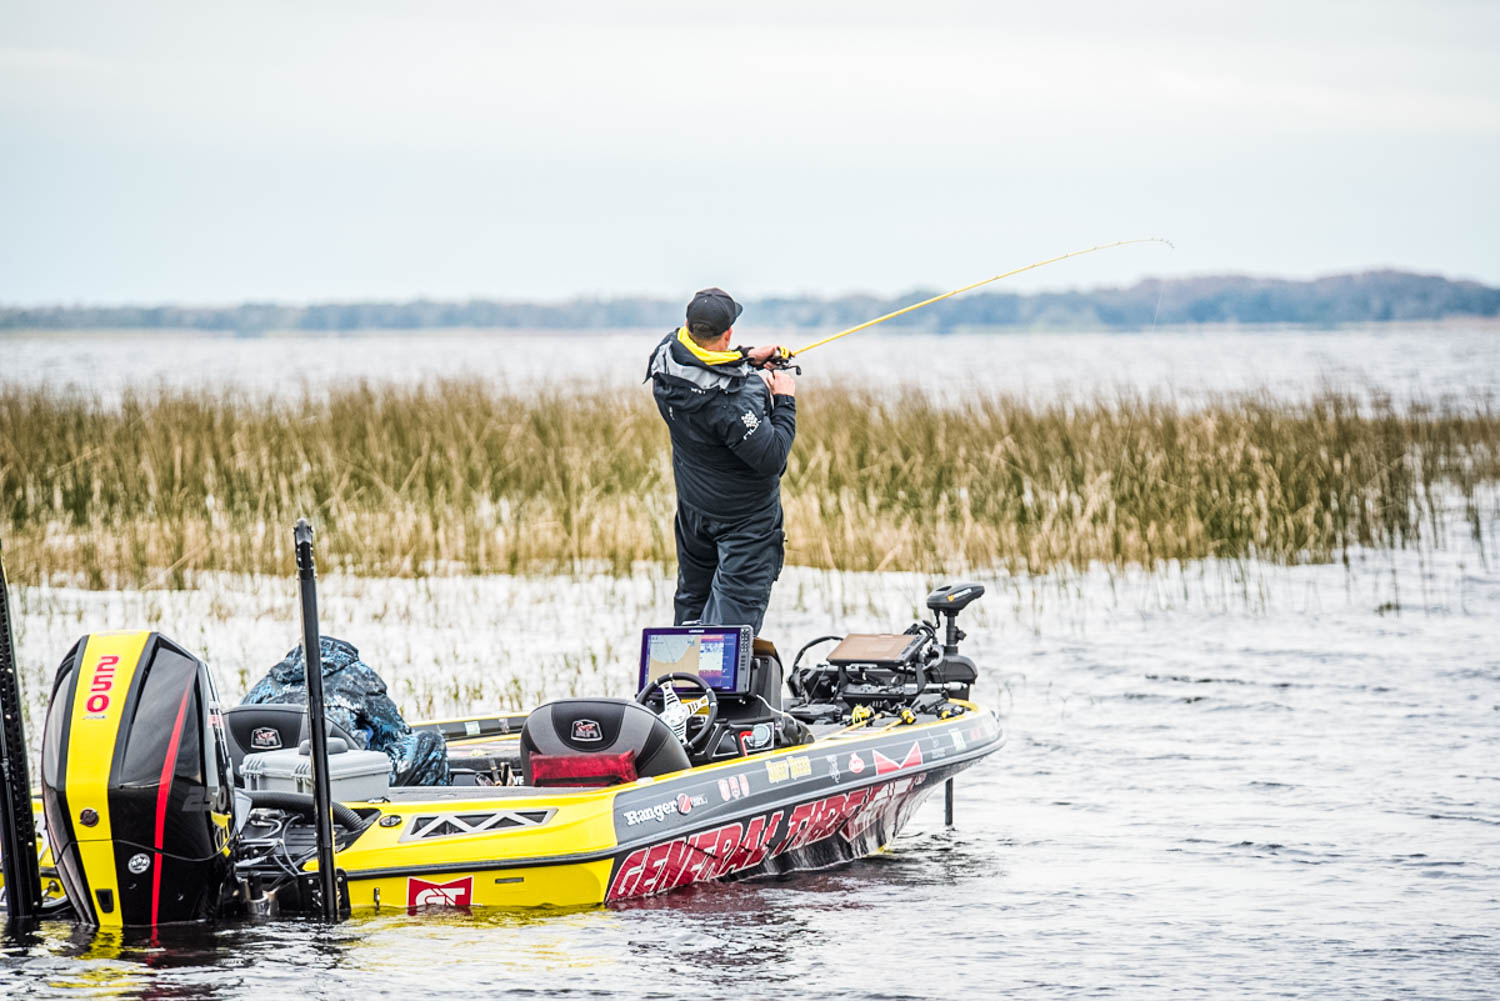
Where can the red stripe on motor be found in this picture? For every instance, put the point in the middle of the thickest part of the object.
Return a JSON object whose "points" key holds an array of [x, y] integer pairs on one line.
{"points": [[168, 766]]}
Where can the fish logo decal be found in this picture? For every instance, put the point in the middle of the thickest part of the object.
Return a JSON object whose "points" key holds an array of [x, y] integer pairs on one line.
{"points": [[587, 730]]}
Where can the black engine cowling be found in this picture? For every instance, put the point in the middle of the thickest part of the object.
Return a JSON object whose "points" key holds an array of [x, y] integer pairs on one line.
{"points": [[136, 782]]}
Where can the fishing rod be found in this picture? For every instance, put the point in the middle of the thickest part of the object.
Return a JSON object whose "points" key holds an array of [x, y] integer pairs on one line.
{"points": [[786, 356]]}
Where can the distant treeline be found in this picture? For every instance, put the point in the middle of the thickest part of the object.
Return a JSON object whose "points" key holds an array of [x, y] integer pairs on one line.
{"points": [[1359, 298]]}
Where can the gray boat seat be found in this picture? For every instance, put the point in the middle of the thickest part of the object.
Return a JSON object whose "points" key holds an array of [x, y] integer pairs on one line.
{"points": [[597, 742]]}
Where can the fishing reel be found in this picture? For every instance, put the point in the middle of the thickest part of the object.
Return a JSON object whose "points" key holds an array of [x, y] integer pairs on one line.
{"points": [[781, 361]]}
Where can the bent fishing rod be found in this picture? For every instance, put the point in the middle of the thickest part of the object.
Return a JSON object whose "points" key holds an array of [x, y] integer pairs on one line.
{"points": [[783, 359]]}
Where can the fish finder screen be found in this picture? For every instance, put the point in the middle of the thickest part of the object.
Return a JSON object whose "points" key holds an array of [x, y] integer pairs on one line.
{"points": [[717, 655]]}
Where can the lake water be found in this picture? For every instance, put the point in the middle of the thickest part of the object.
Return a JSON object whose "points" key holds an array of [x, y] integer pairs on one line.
{"points": [[1428, 362], [1221, 779]]}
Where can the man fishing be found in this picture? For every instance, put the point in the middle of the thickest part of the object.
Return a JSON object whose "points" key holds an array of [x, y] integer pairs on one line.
{"points": [[732, 423]]}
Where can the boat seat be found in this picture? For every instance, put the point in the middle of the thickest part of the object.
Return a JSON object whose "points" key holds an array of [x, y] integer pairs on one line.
{"points": [[595, 742], [270, 726]]}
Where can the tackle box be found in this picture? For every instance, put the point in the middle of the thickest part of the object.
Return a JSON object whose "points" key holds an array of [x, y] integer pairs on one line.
{"points": [[356, 775]]}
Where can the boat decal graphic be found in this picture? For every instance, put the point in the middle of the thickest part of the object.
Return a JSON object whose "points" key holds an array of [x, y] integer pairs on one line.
{"points": [[734, 786], [431, 826], [455, 893], [682, 804], [885, 765], [735, 846], [798, 767], [265, 738]]}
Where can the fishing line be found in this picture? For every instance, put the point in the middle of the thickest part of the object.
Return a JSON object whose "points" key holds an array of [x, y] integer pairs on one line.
{"points": [[948, 295]]}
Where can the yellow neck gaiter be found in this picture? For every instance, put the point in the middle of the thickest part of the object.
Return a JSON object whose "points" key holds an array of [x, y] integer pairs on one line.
{"points": [[707, 357]]}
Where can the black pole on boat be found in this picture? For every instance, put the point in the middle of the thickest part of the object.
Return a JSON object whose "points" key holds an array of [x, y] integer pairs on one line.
{"points": [[317, 728], [948, 803], [23, 883]]}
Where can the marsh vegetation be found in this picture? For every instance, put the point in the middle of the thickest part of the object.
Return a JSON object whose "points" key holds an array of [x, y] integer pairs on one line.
{"points": [[456, 477]]}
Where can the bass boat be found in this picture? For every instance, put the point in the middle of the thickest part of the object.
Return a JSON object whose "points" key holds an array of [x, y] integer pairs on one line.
{"points": [[159, 806]]}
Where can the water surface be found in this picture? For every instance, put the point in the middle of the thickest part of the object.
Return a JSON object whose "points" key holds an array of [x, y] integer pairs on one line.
{"points": [[1406, 361], [1220, 781]]}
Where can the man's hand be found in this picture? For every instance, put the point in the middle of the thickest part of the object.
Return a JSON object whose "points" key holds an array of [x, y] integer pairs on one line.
{"points": [[782, 383], [759, 356]]}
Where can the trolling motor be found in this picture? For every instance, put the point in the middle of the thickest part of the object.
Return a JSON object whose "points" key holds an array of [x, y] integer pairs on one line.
{"points": [[953, 666]]}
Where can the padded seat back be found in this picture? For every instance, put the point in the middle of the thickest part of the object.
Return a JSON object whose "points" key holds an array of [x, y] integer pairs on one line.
{"points": [[270, 726], [600, 730]]}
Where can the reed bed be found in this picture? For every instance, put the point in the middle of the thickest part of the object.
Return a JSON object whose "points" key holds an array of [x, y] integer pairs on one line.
{"points": [[452, 477]]}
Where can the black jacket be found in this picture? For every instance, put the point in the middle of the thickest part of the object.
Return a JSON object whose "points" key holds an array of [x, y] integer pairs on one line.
{"points": [[729, 441]]}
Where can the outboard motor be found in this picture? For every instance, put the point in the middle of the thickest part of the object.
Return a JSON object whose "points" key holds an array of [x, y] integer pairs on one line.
{"points": [[136, 782]]}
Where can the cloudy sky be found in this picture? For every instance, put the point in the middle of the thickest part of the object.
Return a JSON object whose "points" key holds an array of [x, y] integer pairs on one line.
{"points": [[317, 150]]}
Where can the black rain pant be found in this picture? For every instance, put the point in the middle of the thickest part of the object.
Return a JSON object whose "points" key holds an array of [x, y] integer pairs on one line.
{"points": [[725, 568]]}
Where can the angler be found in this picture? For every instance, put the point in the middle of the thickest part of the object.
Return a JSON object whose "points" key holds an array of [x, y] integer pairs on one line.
{"points": [[732, 424]]}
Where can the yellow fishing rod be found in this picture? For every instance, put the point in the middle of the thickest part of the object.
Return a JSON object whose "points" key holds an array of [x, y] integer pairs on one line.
{"points": [[948, 295]]}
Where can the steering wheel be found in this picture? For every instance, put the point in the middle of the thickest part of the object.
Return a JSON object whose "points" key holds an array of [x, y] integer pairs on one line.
{"points": [[676, 713]]}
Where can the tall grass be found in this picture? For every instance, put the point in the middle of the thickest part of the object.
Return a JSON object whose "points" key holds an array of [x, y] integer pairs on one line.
{"points": [[451, 477]]}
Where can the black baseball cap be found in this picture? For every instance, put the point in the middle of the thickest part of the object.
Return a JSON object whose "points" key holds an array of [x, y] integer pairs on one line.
{"points": [[714, 308]]}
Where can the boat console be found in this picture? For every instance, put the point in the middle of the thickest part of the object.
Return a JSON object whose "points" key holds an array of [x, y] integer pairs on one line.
{"points": [[915, 670], [718, 689]]}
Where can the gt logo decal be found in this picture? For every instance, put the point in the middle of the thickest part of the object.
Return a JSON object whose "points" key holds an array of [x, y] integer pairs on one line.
{"points": [[421, 893]]}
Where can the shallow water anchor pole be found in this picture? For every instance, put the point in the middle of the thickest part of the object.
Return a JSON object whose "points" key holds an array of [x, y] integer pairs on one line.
{"points": [[23, 884], [317, 728], [948, 803]]}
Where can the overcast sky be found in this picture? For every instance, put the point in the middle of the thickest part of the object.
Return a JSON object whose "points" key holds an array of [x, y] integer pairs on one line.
{"points": [[311, 151]]}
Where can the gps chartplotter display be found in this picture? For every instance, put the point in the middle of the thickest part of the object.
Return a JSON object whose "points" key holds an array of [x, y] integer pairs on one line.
{"points": [[720, 655]]}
